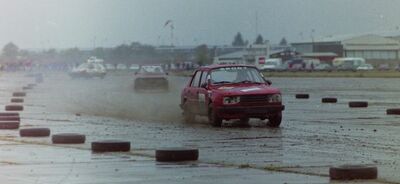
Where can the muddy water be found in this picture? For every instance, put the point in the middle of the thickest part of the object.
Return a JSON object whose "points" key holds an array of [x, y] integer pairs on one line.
{"points": [[114, 97], [313, 135]]}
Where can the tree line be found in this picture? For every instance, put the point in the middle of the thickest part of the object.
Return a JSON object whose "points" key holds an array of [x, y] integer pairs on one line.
{"points": [[125, 53], [238, 41]]}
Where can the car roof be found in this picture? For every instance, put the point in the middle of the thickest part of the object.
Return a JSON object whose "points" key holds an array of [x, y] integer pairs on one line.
{"points": [[215, 66]]}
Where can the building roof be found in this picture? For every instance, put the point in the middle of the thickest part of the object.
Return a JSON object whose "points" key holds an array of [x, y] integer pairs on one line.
{"points": [[320, 54], [345, 37], [329, 38], [371, 42], [360, 42]]}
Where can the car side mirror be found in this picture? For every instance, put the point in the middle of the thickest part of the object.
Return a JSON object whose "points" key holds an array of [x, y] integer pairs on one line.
{"points": [[204, 85]]}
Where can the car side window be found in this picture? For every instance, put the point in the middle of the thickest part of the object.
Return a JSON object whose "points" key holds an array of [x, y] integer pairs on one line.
{"points": [[196, 79], [203, 78]]}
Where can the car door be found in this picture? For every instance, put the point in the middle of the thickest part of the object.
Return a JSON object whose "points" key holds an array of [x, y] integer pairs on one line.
{"points": [[202, 94], [192, 93]]}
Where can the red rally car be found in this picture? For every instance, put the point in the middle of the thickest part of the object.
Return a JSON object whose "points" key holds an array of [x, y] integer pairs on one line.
{"points": [[225, 92]]}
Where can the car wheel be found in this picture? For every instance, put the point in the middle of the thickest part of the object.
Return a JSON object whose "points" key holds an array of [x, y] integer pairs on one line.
{"points": [[213, 117], [275, 120], [189, 117], [244, 122], [137, 84]]}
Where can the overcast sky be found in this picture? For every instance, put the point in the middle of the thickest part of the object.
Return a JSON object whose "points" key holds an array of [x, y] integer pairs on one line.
{"points": [[83, 23]]}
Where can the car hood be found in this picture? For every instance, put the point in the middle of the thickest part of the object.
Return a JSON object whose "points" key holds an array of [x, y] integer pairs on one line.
{"points": [[246, 90]]}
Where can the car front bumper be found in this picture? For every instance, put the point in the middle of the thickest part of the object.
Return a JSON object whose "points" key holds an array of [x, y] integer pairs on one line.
{"points": [[238, 112], [151, 84]]}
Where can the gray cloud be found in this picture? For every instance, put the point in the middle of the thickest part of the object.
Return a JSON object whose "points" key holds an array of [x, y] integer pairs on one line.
{"points": [[69, 23]]}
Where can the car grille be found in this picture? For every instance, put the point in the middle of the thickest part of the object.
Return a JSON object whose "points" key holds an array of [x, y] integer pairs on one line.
{"points": [[254, 99]]}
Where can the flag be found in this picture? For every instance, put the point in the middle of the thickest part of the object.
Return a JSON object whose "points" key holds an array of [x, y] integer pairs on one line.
{"points": [[167, 22]]}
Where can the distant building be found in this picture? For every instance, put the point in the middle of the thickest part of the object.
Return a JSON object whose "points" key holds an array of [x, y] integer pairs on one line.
{"points": [[369, 47], [247, 55], [324, 57], [231, 58], [256, 55]]}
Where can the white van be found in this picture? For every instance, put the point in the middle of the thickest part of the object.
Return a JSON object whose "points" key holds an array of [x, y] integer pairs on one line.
{"points": [[348, 61], [271, 64]]}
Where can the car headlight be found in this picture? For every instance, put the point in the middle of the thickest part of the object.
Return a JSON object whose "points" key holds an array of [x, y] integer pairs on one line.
{"points": [[275, 98], [231, 100]]}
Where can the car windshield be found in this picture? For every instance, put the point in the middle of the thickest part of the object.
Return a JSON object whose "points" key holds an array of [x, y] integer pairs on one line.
{"points": [[236, 75]]}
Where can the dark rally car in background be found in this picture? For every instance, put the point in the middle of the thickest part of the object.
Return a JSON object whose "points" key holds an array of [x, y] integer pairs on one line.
{"points": [[150, 78]]}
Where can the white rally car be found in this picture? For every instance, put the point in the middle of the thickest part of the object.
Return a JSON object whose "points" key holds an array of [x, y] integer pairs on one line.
{"points": [[92, 68]]}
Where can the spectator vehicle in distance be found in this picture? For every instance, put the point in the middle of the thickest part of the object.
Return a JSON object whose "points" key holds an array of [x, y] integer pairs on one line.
{"points": [[134, 67], [151, 77], [365, 67], [311, 63], [92, 68], [121, 66], [110, 67], [271, 64], [323, 67], [397, 68], [225, 92], [384, 67], [297, 64], [348, 63]]}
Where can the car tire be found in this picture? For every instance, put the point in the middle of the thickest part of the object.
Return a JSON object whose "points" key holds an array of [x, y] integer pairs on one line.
{"points": [[19, 94], [358, 104], [393, 111], [9, 114], [14, 108], [189, 117], [213, 117], [329, 100], [34, 132], [17, 100], [302, 96], [9, 125], [111, 146], [177, 154], [244, 122], [353, 172], [10, 118], [68, 138], [275, 120]]}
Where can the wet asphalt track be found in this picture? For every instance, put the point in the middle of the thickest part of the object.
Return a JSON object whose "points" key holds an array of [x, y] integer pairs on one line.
{"points": [[313, 136]]}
